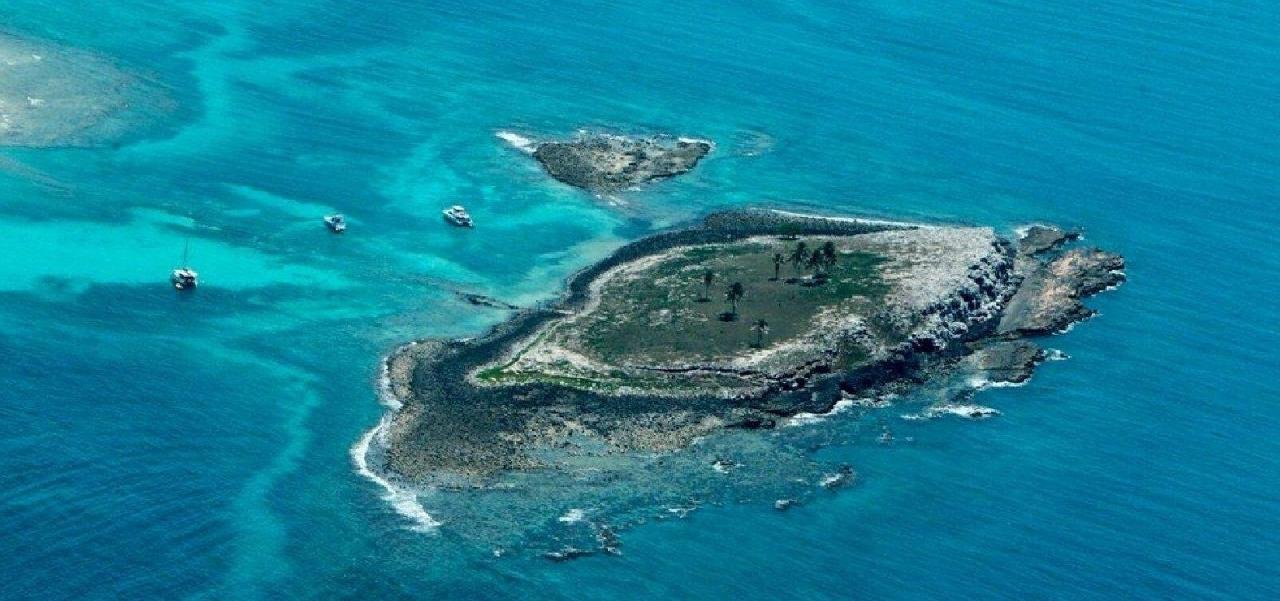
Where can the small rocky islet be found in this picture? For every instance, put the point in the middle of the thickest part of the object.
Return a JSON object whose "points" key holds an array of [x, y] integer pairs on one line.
{"points": [[738, 322], [604, 163]]}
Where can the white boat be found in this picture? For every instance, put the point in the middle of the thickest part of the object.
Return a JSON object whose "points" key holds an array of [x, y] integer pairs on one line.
{"points": [[336, 223], [184, 278], [458, 216]]}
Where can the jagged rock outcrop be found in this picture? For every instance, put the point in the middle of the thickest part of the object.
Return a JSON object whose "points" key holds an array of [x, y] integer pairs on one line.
{"points": [[1049, 297], [606, 163], [1037, 239]]}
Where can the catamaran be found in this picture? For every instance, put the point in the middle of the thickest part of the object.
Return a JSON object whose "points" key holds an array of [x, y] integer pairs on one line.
{"points": [[184, 277]]}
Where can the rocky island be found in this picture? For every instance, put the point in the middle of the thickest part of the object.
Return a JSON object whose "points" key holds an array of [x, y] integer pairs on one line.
{"points": [[739, 322], [607, 163]]}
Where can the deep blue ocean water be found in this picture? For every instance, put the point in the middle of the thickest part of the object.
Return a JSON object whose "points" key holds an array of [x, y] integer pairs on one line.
{"points": [[163, 446]]}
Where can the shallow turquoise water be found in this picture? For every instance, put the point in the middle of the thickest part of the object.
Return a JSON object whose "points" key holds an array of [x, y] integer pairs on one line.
{"points": [[162, 446]]}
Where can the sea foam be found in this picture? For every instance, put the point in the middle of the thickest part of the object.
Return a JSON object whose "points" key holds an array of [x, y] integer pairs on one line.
{"points": [[981, 383], [805, 418], [689, 140], [967, 411], [517, 141], [573, 516], [403, 500]]}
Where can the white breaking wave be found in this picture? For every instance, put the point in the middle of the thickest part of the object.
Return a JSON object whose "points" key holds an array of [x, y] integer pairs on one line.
{"points": [[1124, 278], [387, 399], [404, 501], [966, 411], [969, 411], [573, 516], [837, 479], [688, 140], [1022, 230], [804, 417], [1072, 325], [517, 141], [980, 383]]}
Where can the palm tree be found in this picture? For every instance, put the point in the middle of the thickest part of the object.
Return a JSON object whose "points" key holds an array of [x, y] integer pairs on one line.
{"points": [[799, 255], [815, 262], [707, 277], [825, 260], [778, 260], [734, 294], [761, 327]]}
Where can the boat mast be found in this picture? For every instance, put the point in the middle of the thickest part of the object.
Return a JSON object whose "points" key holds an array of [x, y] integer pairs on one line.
{"points": [[186, 246]]}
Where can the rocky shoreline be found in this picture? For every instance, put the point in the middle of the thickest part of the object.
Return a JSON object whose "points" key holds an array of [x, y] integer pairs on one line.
{"points": [[450, 431]]}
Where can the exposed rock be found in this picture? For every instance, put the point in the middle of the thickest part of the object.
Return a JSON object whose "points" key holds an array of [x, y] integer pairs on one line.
{"points": [[1049, 298], [1011, 361], [841, 478], [1037, 239], [605, 163], [723, 466], [481, 300], [964, 410], [567, 553], [608, 540]]}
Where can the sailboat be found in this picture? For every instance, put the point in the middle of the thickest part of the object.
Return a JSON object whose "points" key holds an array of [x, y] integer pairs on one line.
{"points": [[184, 277]]}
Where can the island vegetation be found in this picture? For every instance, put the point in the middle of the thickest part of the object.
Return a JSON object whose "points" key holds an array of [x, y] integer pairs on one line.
{"points": [[656, 314], [639, 356]]}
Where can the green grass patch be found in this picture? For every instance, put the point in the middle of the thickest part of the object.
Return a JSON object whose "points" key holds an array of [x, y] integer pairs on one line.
{"points": [[660, 315]]}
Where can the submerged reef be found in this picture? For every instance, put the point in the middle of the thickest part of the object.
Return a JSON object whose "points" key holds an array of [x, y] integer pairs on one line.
{"points": [[742, 322], [607, 163], [52, 95]]}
